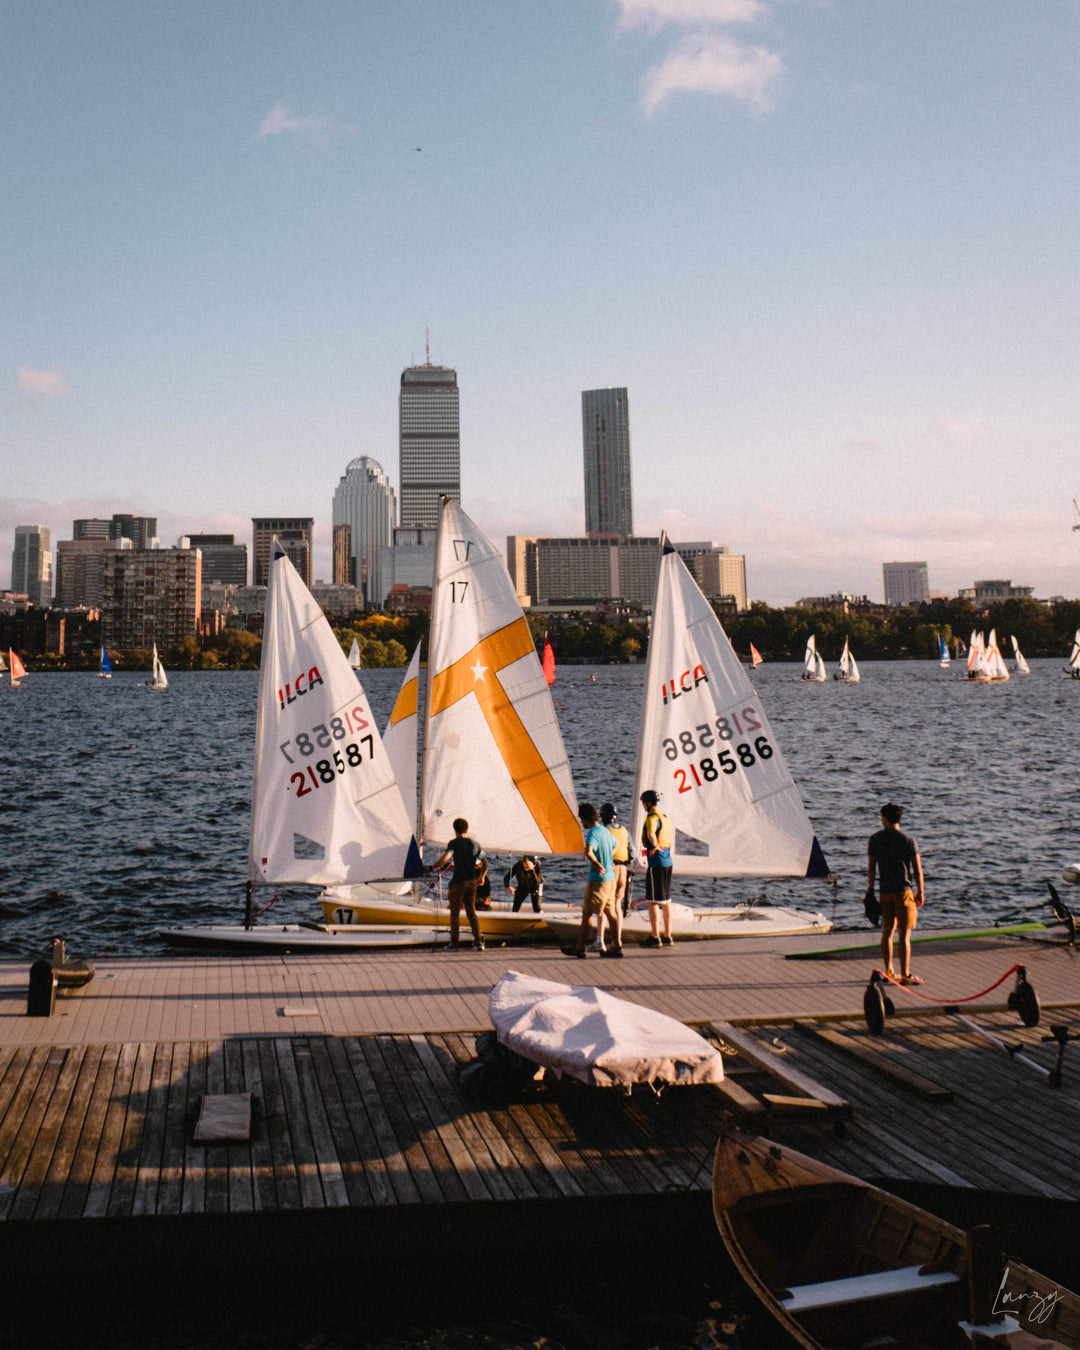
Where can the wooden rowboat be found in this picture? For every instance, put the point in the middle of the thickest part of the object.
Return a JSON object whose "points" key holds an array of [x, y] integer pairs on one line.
{"points": [[841, 1263]]}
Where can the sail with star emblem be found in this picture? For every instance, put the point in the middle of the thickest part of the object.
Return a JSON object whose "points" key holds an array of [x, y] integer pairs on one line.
{"points": [[493, 751]]}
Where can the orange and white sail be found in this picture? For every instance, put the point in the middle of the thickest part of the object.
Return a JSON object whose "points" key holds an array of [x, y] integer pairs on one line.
{"points": [[400, 734], [493, 751], [994, 660], [755, 656], [18, 670]]}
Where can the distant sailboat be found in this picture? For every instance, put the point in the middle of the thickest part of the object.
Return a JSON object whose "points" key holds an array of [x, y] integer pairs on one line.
{"points": [[994, 659], [849, 670], [960, 649], [354, 655], [105, 673], [813, 663], [548, 662], [755, 656], [943, 652], [1020, 666], [1072, 668], [158, 678], [18, 670], [978, 668], [3, 664]]}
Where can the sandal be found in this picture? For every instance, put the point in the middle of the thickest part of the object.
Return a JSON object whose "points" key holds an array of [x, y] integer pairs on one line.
{"points": [[912, 979]]}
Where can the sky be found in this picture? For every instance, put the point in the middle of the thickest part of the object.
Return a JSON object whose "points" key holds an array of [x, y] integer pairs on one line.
{"points": [[829, 246]]}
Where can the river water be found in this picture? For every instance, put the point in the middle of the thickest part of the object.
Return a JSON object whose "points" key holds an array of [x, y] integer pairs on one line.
{"points": [[124, 810]]}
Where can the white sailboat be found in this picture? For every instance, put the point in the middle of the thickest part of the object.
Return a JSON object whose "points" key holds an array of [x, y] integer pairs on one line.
{"points": [[813, 663], [326, 807], [354, 655], [1072, 667], [1020, 666], [977, 670], [994, 660], [705, 744], [849, 670], [158, 679], [492, 749]]}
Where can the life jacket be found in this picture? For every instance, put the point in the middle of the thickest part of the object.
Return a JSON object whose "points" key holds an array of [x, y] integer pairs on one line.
{"points": [[622, 842], [665, 833]]}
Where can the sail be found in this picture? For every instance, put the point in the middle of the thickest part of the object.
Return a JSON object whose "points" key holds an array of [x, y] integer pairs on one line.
{"points": [[18, 670], [810, 658], [493, 752], [943, 652], [158, 678], [852, 676], [845, 659], [977, 668], [548, 662], [1020, 665], [3, 663], [354, 655], [1074, 655], [326, 808], [994, 659], [706, 746], [400, 735], [755, 656], [106, 664]]}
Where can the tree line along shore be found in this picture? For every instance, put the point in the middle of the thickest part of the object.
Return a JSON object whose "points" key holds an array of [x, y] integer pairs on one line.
{"points": [[911, 634]]}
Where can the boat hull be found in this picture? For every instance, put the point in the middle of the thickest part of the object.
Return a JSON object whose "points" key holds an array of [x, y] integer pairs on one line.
{"points": [[836, 1260], [293, 937], [700, 924], [344, 911]]}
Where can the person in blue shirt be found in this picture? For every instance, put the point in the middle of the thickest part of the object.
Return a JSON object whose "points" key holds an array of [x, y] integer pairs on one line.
{"points": [[600, 887]]}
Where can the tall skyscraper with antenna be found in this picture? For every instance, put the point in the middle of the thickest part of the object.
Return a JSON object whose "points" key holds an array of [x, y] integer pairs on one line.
{"points": [[605, 428], [429, 440]]}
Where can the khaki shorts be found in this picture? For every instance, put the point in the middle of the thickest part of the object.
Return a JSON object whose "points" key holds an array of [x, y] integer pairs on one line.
{"points": [[622, 874], [599, 898], [899, 908]]}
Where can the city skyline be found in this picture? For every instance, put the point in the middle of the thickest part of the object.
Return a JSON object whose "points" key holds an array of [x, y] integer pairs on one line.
{"points": [[828, 248]]}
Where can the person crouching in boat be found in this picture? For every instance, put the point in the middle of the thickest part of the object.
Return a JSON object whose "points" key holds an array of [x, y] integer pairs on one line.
{"points": [[657, 836], [525, 880]]}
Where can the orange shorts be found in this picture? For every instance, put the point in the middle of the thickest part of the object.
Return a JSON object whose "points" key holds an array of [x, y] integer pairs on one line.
{"points": [[899, 908]]}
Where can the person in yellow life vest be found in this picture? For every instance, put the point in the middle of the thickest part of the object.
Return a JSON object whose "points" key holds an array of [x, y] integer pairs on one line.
{"points": [[657, 837], [620, 838]]}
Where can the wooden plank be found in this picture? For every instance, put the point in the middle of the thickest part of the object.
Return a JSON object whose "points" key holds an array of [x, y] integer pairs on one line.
{"points": [[343, 1111], [22, 1203], [125, 1175], [745, 1103], [170, 1184], [307, 1168], [799, 1083], [46, 1200], [276, 1123], [263, 1189], [382, 1150], [193, 1194], [443, 1164], [148, 1174], [216, 1154], [880, 1062], [241, 1185], [406, 1129], [334, 1189], [29, 1106], [112, 1132], [83, 1146]]}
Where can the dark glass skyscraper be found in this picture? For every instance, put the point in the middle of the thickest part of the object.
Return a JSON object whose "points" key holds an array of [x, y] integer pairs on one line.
{"points": [[605, 429], [430, 443]]}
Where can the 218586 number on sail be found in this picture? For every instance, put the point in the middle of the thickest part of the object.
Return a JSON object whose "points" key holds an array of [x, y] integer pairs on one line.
{"points": [[726, 755]]}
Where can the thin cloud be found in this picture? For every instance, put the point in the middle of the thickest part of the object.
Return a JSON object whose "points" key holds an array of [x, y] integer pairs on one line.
{"points": [[655, 14], [42, 383], [279, 120], [705, 63]]}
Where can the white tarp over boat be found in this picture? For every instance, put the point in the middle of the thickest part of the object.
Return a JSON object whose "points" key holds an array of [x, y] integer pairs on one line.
{"points": [[595, 1037], [706, 746], [326, 808], [493, 752]]}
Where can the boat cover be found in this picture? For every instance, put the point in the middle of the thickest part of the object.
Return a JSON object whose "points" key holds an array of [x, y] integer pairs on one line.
{"points": [[596, 1037]]}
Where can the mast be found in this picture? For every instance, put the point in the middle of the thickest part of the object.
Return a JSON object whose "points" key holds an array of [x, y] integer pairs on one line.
{"points": [[422, 729]]}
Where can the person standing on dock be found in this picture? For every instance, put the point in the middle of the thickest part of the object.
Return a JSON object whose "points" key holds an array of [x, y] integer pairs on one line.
{"points": [[895, 857], [620, 838], [461, 892], [599, 888], [657, 836]]}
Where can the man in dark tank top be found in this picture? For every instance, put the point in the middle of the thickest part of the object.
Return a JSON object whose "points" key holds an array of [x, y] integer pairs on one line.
{"points": [[895, 857]]}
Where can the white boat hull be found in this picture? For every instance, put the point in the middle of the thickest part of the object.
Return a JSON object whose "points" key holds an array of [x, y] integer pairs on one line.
{"points": [[699, 924], [345, 906], [295, 937]]}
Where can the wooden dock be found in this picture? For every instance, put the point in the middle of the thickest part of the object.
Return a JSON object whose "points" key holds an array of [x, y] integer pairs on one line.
{"points": [[364, 1135]]}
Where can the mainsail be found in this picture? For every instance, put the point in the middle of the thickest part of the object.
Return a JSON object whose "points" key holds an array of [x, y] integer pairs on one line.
{"points": [[943, 652], [1020, 665], [326, 808], [399, 738], [493, 752], [706, 745]]}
